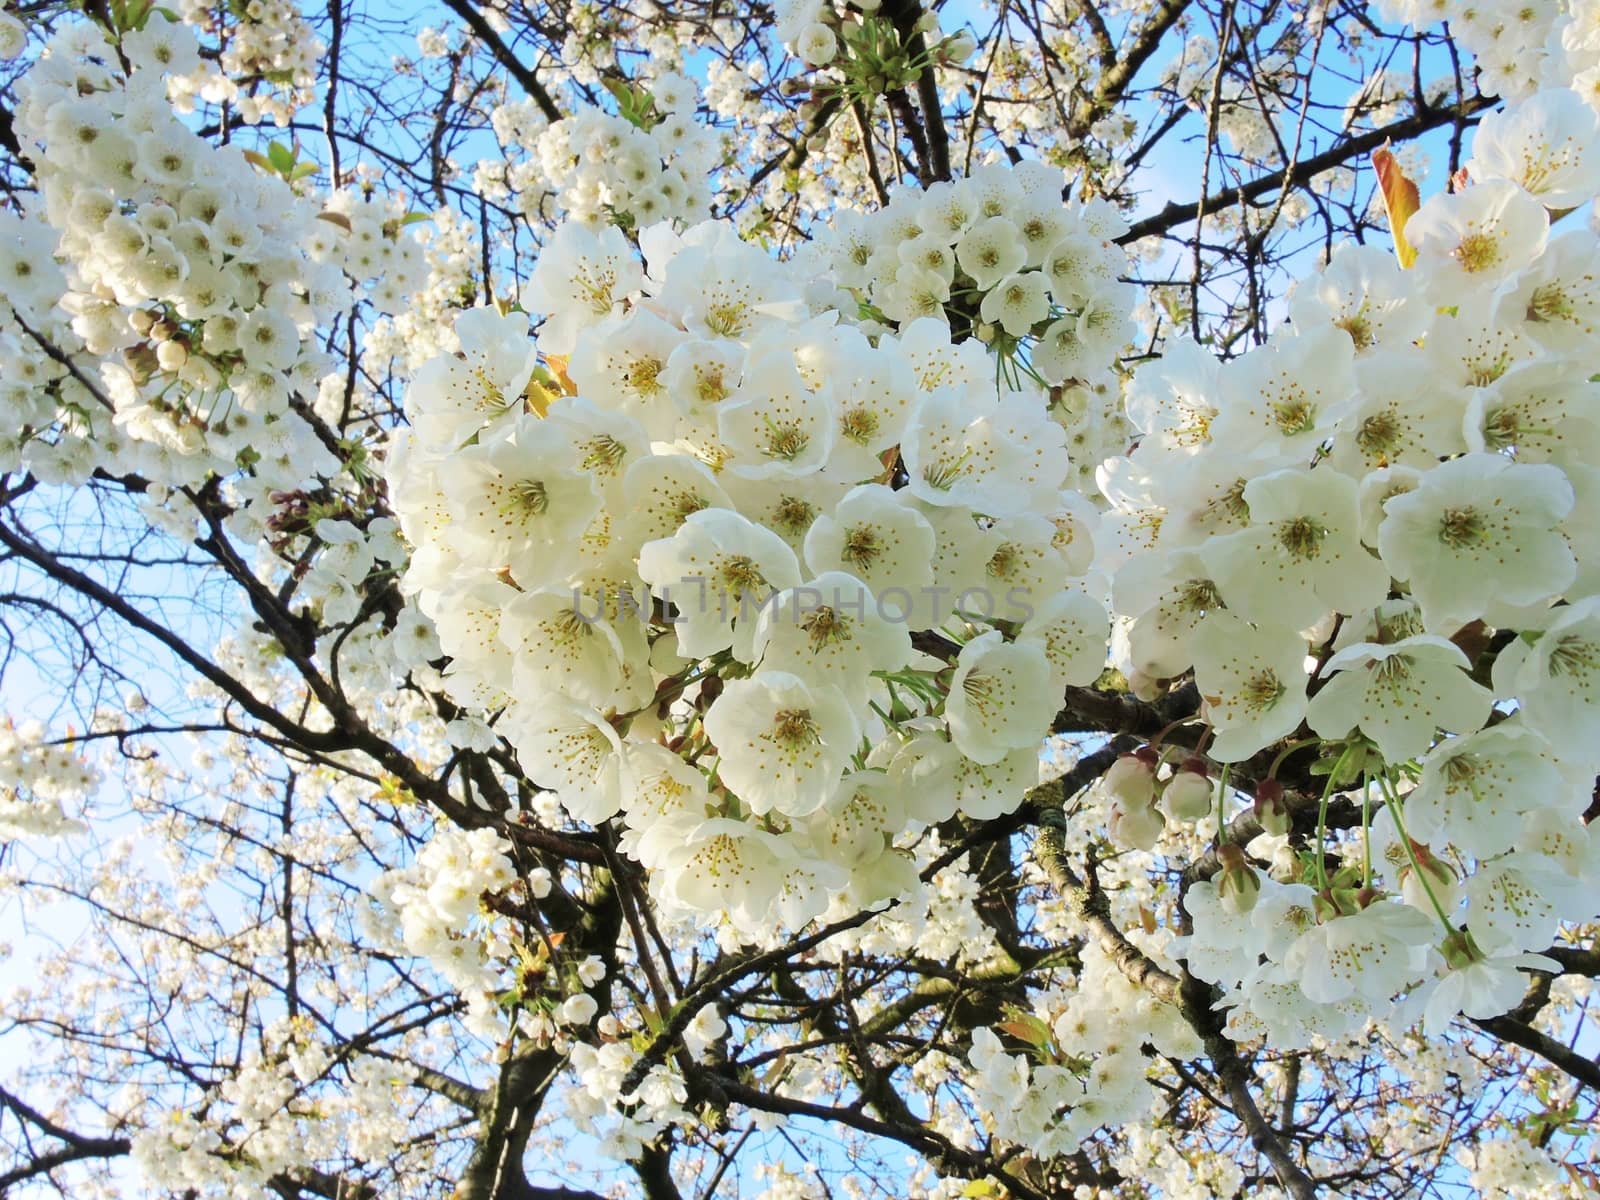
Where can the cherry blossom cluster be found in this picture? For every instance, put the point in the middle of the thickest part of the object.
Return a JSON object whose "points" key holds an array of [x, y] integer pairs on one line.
{"points": [[38, 777], [653, 165], [1086, 1066], [1038, 280], [265, 68], [274, 1121], [771, 588], [435, 902], [176, 336], [1376, 525], [859, 43], [1519, 48]]}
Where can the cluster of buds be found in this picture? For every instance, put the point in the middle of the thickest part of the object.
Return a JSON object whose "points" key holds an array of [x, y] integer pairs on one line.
{"points": [[1143, 801], [294, 512]]}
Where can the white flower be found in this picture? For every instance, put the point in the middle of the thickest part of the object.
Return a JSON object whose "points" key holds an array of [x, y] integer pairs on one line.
{"points": [[775, 425], [1364, 291], [1002, 698], [577, 1009], [521, 501], [662, 491], [1557, 680], [1286, 395], [1301, 554], [719, 569], [858, 824], [1072, 628], [1017, 303], [571, 749], [877, 536], [13, 37], [1479, 529], [1253, 682], [1482, 987], [1221, 949], [1399, 694], [1172, 400], [966, 448], [1516, 901], [782, 744], [561, 644], [1474, 790], [1167, 596], [1373, 953], [1547, 143], [1481, 235], [830, 630], [1403, 414], [723, 863], [817, 45], [623, 364], [990, 250], [1542, 411], [580, 278], [268, 339], [449, 398], [702, 1032], [1557, 299]]}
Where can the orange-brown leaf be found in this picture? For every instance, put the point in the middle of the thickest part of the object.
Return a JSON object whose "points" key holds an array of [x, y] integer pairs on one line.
{"points": [[1400, 201]]}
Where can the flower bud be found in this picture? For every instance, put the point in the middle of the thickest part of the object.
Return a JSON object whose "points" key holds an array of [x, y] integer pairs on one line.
{"points": [[1137, 826], [1238, 885], [1132, 781], [1271, 809], [1187, 796], [1436, 875], [141, 362], [960, 47], [1144, 687], [172, 355]]}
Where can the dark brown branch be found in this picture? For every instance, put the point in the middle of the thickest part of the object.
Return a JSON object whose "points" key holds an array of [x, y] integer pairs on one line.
{"points": [[1174, 215], [505, 56], [1585, 1070]]}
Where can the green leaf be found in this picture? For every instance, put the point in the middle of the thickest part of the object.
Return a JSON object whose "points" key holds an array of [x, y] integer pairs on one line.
{"points": [[281, 157], [258, 160]]}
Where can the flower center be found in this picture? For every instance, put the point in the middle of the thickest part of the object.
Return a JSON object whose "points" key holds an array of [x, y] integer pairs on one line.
{"points": [[1461, 527], [794, 728], [861, 546], [858, 424], [825, 627], [1302, 537], [786, 440], [793, 514], [1378, 434], [741, 574], [1294, 416], [1477, 252], [1261, 691], [602, 454]]}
